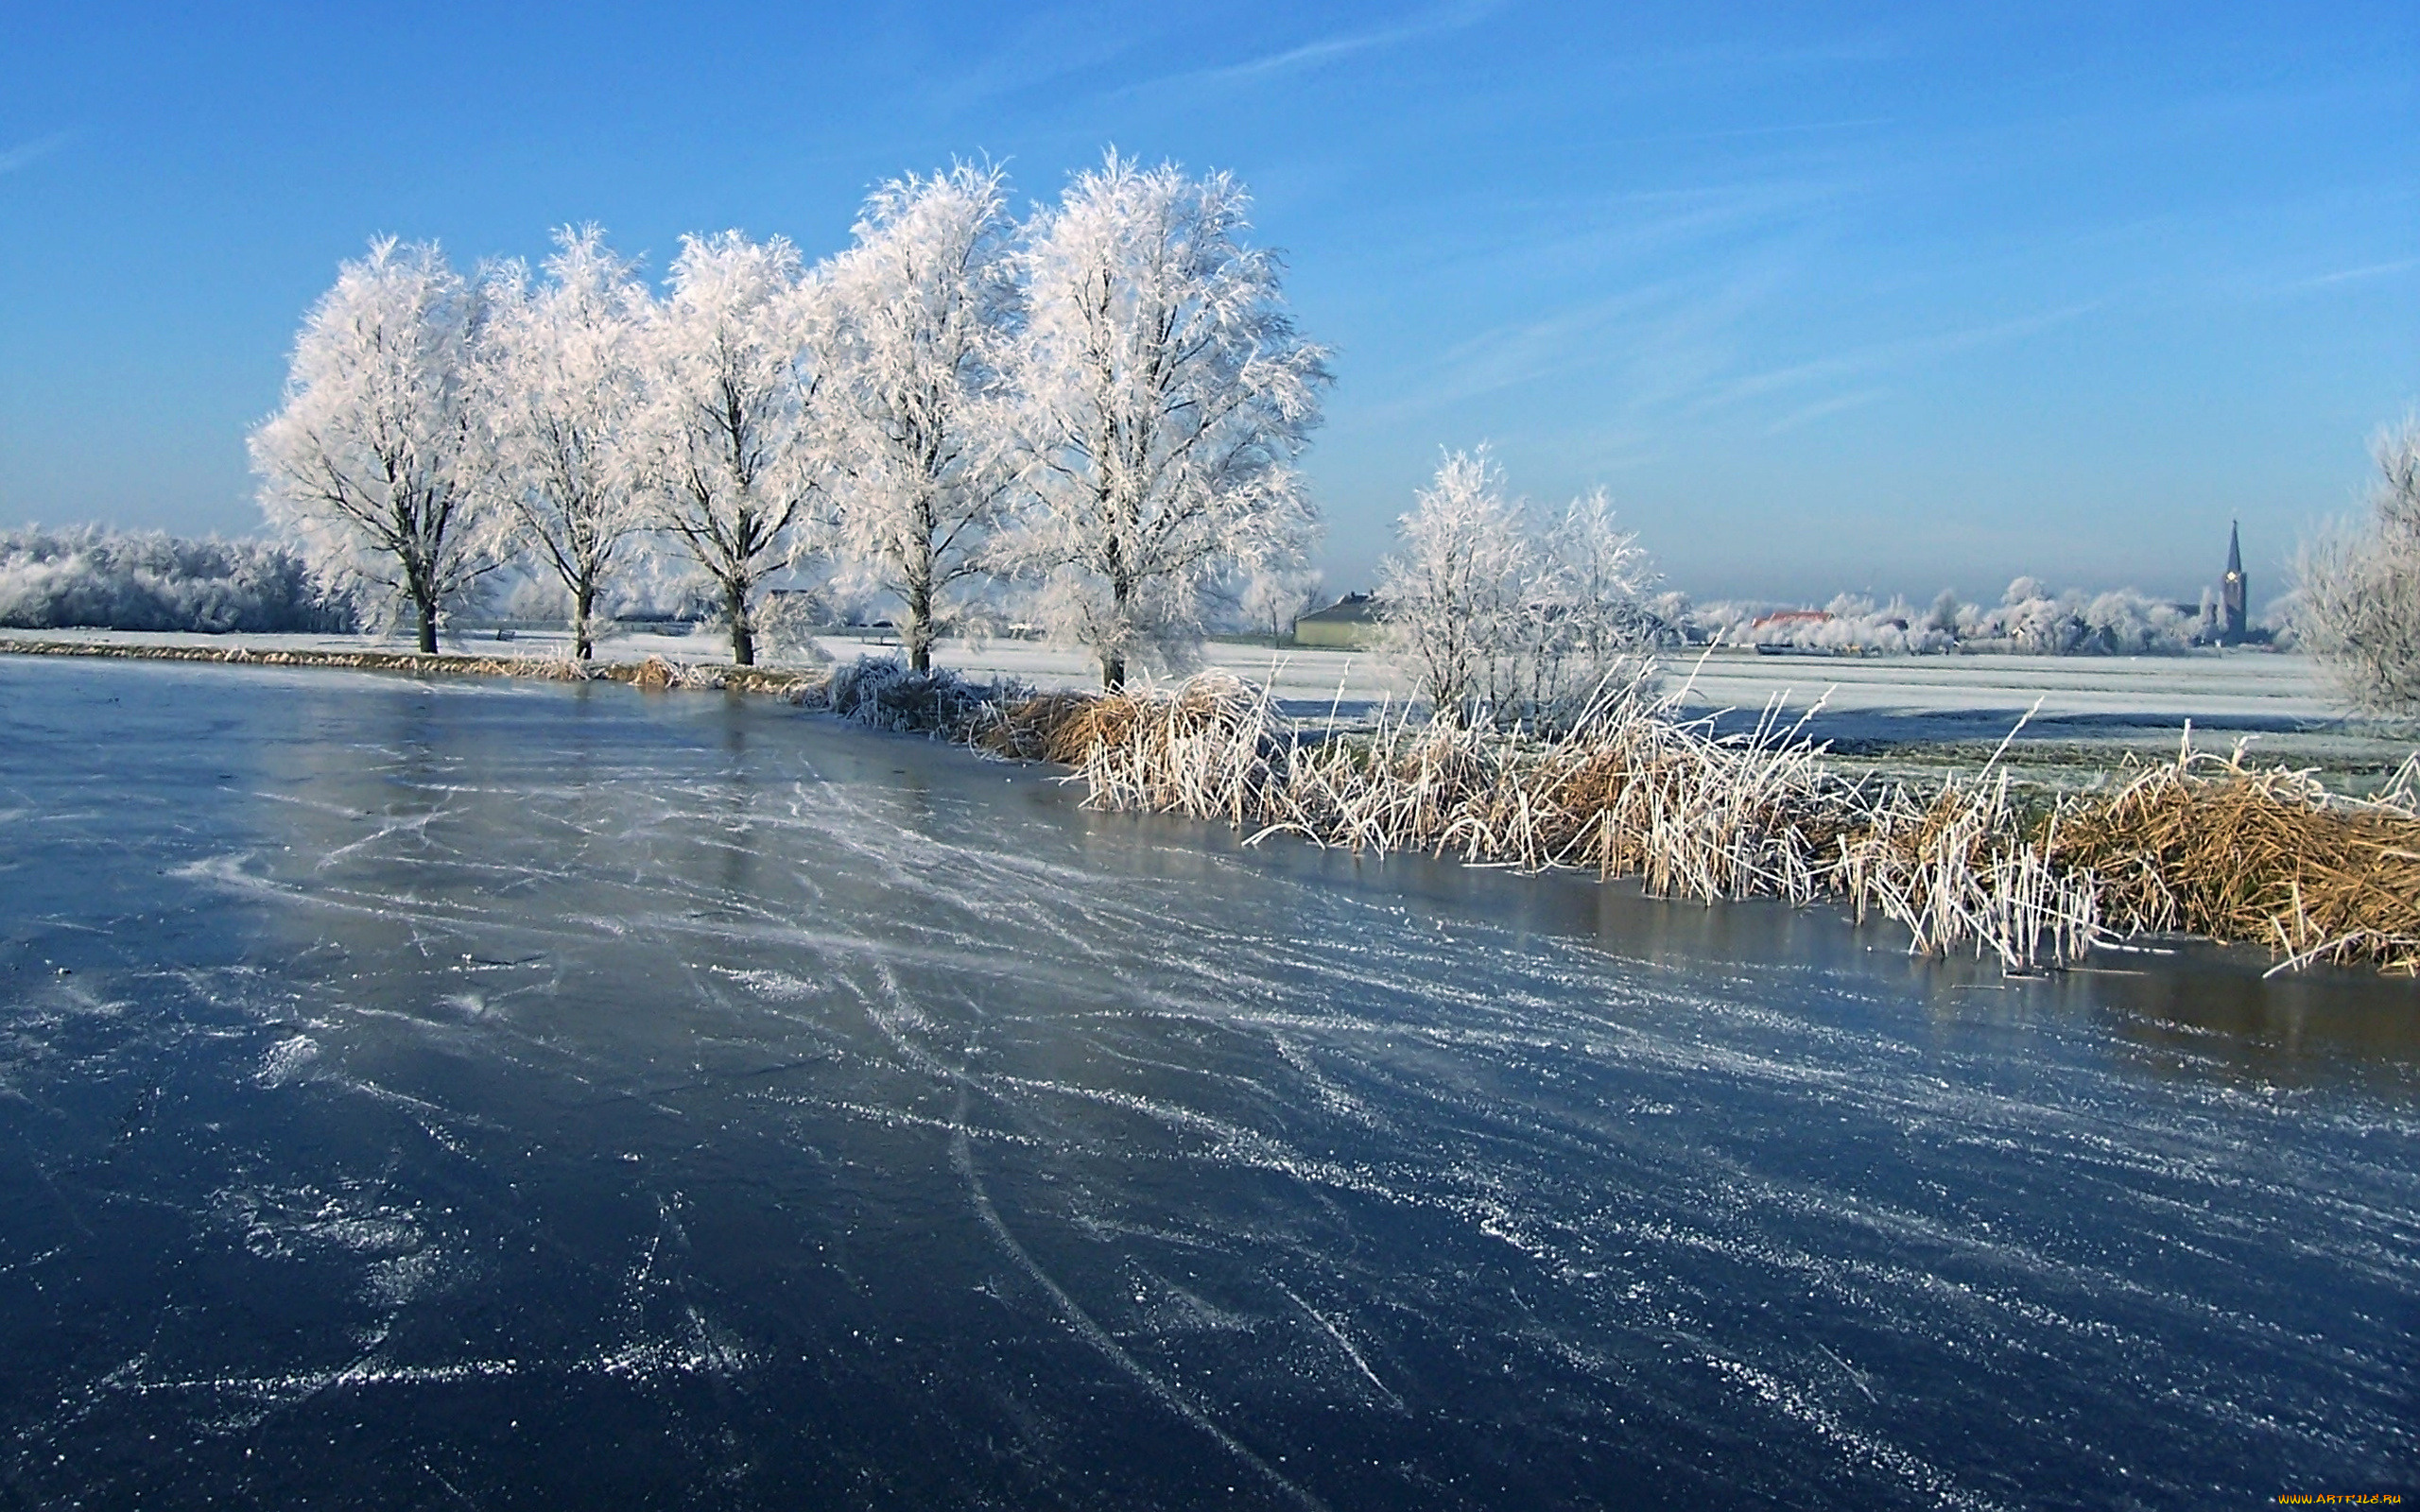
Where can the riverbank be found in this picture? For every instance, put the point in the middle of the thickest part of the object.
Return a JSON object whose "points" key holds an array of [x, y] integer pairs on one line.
{"points": [[1964, 852], [2084, 710], [652, 671], [2200, 844]]}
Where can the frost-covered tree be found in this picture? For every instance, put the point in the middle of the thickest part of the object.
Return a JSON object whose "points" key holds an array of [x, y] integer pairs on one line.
{"points": [[145, 580], [559, 394], [733, 451], [920, 318], [2123, 622], [370, 463], [1500, 615], [2359, 587], [1273, 600], [2030, 619], [1451, 594], [1164, 398], [1585, 617]]}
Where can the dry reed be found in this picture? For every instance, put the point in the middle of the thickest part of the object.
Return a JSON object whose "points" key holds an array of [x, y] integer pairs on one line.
{"points": [[2206, 845], [1632, 789], [1960, 864]]}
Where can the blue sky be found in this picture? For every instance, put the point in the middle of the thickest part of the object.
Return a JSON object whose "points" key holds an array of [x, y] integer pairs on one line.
{"points": [[1828, 297]]}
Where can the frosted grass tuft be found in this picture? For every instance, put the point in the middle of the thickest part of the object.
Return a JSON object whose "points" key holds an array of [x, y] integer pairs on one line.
{"points": [[1630, 788]]}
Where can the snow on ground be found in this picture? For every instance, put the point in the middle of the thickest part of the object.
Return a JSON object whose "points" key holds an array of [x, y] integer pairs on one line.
{"points": [[2104, 703]]}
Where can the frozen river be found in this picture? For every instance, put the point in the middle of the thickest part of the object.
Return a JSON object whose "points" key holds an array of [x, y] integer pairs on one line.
{"points": [[490, 1095]]}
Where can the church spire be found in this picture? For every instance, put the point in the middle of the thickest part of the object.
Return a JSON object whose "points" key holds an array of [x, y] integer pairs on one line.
{"points": [[2233, 592]]}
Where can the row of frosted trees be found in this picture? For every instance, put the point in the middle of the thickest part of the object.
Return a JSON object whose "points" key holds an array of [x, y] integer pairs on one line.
{"points": [[1101, 405]]}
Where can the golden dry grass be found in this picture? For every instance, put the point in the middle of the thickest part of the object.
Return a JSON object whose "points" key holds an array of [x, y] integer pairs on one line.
{"points": [[2205, 847], [2209, 845]]}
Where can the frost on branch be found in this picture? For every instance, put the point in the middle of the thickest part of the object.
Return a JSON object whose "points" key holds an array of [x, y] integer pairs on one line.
{"points": [[2358, 587], [1276, 599], [887, 694], [1450, 592], [730, 421], [558, 392], [1500, 616], [370, 464], [1165, 395], [919, 320], [145, 580]]}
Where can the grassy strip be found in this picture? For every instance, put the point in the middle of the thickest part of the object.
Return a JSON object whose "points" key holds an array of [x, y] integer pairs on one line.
{"points": [[654, 672]]}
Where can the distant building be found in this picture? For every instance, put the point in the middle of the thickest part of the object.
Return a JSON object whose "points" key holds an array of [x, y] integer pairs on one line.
{"points": [[2226, 619], [1350, 624], [2235, 590]]}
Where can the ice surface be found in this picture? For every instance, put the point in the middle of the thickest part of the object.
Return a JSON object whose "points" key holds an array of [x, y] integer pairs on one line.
{"points": [[496, 1091]]}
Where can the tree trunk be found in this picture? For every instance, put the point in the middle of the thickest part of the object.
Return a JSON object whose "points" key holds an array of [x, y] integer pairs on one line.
{"points": [[743, 635], [426, 604], [583, 645], [918, 631], [1113, 663]]}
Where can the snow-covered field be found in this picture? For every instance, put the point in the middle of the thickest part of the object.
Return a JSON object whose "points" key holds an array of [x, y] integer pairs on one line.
{"points": [[2217, 686], [2105, 703], [2090, 708]]}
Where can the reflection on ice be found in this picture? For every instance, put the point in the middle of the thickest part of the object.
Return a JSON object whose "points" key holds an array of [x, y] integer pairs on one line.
{"points": [[744, 1108]]}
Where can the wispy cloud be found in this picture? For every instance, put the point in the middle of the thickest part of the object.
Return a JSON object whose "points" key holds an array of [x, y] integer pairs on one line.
{"points": [[2354, 275], [1653, 334], [1671, 351], [1591, 236], [1054, 50], [1751, 133], [1883, 357], [1648, 346], [1807, 414], [1692, 66], [1435, 22], [1509, 357], [28, 153]]}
